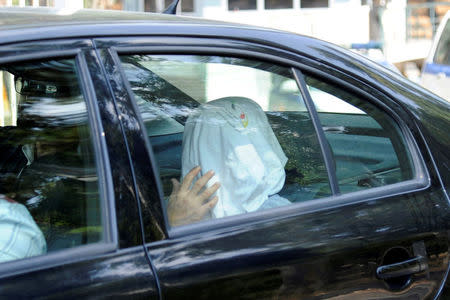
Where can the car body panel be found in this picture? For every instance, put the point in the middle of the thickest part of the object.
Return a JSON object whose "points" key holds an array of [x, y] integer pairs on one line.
{"points": [[133, 134], [323, 254], [121, 274], [128, 225]]}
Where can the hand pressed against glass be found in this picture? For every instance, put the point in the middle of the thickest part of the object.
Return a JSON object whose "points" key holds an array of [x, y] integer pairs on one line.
{"points": [[188, 205]]}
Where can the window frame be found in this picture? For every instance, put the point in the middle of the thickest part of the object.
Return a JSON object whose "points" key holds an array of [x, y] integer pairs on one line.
{"points": [[183, 46], [274, 8], [245, 9], [324, 145], [71, 49], [315, 7]]}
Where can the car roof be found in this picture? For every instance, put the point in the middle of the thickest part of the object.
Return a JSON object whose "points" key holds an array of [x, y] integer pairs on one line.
{"points": [[17, 24]]}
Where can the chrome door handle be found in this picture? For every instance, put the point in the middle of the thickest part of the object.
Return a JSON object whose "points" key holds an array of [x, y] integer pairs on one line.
{"points": [[408, 267]]}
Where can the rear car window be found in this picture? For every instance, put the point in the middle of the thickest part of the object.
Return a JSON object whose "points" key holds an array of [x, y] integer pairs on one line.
{"points": [[368, 147], [261, 144], [49, 197]]}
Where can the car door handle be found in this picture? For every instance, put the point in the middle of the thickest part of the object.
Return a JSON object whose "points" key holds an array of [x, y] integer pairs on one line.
{"points": [[408, 267]]}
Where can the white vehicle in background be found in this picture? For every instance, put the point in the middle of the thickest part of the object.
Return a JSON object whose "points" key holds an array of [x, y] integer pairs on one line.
{"points": [[436, 70], [373, 51]]}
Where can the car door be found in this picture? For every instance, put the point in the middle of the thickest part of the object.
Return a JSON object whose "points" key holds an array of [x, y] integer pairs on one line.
{"points": [[64, 170], [367, 214]]}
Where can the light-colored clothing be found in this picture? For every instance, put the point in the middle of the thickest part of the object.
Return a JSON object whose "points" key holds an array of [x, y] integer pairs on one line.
{"points": [[20, 237], [233, 137]]}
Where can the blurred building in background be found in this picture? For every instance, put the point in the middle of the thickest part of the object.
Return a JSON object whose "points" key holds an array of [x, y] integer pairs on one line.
{"points": [[408, 29], [404, 28], [338, 21]]}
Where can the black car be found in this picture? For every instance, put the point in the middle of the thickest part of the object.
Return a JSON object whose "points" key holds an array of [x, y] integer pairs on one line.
{"points": [[93, 117]]}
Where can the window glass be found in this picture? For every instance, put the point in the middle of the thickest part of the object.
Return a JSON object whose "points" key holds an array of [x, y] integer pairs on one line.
{"points": [[187, 5], [277, 4], [442, 55], [243, 119], [49, 196], [150, 5], [241, 4], [367, 145], [313, 3]]}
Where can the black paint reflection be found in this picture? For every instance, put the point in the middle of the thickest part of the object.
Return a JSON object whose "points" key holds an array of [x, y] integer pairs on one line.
{"points": [[145, 191], [332, 253], [127, 214]]}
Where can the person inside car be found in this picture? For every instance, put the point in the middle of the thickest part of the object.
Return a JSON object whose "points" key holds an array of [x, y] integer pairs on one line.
{"points": [[227, 143], [20, 237]]}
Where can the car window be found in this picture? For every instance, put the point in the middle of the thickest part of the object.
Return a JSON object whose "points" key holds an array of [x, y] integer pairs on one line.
{"points": [[442, 55], [367, 145], [243, 119], [49, 197]]}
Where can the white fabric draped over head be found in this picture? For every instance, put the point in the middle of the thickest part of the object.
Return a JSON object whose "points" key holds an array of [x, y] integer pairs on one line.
{"points": [[232, 137]]}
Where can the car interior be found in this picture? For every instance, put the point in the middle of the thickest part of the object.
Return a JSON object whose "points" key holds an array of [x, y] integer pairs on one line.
{"points": [[47, 162], [367, 146]]}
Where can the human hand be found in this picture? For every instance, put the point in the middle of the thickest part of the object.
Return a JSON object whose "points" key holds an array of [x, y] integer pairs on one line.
{"points": [[188, 205]]}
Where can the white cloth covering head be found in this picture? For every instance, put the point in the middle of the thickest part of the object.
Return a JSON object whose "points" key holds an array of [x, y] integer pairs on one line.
{"points": [[232, 137]]}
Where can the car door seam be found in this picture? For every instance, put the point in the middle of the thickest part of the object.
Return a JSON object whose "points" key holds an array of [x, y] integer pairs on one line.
{"points": [[147, 255]]}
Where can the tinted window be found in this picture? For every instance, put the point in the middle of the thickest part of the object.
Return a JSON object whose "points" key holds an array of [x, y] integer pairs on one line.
{"points": [[48, 183], [243, 119], [368, 147]]}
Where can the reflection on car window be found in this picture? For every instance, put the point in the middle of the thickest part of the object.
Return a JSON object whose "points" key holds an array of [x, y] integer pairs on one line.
{"points": [[244, 120], [48, 182], [368, 147], [326, 102]]}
